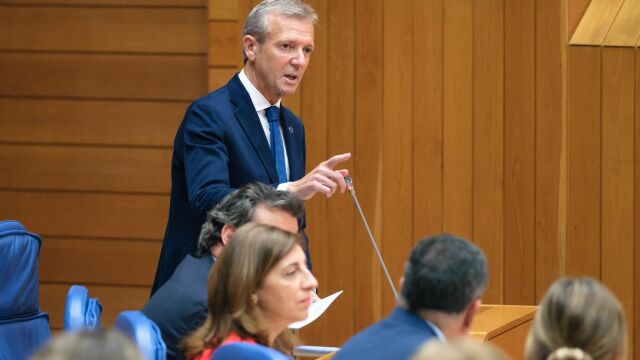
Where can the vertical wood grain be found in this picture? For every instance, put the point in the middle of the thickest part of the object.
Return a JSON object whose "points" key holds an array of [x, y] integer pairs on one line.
{"points": [[488, 140], [427, 117], [458, 117], [368, 158], [335, 262], [636, 217], [584, 162], [396, 144], [618, 176], [549, 97], [314, 115], [519, 137]]}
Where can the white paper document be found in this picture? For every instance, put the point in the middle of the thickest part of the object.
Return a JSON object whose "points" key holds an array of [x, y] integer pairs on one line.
{"points": [[315, 310]]}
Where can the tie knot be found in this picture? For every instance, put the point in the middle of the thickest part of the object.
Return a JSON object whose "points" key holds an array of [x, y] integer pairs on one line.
{"points": [[272, 114]]}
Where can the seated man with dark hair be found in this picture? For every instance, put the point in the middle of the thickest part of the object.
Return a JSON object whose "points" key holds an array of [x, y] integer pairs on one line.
{"points": [[443, 281], [180, 305]]}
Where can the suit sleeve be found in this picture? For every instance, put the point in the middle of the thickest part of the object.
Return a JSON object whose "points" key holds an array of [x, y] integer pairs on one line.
{"points": [[206, 158]]}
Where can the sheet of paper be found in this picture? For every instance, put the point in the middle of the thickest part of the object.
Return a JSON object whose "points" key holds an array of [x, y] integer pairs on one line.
{"points": [[315, 310]]}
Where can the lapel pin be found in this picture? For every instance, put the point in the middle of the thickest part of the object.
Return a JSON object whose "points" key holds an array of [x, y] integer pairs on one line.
{"points": [[291, 129]]}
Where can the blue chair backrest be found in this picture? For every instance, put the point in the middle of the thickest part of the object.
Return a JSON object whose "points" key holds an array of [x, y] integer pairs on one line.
{"points": [[246, 351], [144, 333], [23, 328], [81, 311]]}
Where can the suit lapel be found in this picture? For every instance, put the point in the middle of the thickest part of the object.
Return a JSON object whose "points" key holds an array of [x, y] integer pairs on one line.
{"points": [[247, 117], [290, 137]]}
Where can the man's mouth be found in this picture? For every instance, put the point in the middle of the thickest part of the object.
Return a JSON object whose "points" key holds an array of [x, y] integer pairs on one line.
{"points": [[291, 77]]}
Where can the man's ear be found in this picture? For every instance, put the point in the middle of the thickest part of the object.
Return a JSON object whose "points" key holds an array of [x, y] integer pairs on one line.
{"points": [[225, 234], [250, 45], [470, 314]]}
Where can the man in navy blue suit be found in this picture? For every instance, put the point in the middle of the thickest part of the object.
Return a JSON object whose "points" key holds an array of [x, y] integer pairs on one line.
{"points": [[180, 305], [443, 281], [240, 133]]}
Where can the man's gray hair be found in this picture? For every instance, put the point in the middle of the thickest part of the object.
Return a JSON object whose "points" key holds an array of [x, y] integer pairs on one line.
{"points": [[238, 208], [256, 24], [444, 273]]}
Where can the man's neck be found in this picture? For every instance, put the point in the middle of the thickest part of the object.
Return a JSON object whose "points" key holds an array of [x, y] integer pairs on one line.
{"points": [[448, 324]]}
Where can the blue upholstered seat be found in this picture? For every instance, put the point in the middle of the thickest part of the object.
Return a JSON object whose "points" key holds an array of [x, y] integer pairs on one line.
{"points": [[144, 333], [246, 351], [81, 311], [23, 327]]}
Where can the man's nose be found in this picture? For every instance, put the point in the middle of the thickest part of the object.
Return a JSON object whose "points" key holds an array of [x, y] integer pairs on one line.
{"points": [[299, 58]]}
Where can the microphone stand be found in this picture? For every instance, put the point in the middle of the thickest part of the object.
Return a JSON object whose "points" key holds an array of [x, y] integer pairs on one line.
{"points": [[352, 191]]}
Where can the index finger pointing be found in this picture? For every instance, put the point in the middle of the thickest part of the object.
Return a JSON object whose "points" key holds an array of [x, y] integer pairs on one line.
{"points": [[336, 159]]}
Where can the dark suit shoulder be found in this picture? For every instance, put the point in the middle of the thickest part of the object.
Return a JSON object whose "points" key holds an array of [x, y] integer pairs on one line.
{"points": [[396, 337]]}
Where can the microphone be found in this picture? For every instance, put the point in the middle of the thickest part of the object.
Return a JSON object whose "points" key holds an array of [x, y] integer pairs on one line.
{"points": [[352, 191]]}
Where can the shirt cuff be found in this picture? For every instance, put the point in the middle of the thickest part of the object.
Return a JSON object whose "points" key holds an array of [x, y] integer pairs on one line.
{"points": [[283, 186]]}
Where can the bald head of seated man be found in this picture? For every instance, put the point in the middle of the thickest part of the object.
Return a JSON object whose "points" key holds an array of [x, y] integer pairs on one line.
{"points": [[443, 281], [180, 305]]}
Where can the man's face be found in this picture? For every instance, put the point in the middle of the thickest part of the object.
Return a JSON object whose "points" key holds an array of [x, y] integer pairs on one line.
{"points": [[275, 217], [278, 64]]}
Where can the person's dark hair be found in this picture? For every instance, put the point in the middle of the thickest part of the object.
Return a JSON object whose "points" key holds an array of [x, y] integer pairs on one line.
{"points": [[444, 273], [256, 24], [254, 249], [578, 319], [89, 345], [238, 208]]}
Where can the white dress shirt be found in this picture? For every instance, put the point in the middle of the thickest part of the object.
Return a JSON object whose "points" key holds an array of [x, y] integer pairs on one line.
{"points": [[260, 103]]}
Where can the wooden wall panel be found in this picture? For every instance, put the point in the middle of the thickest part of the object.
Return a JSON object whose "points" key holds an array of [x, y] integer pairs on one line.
{"points": [[488, 140], [225, 36], [128, 3], [584, 162], [60, 121], [225, 10], [458, 117], [396, 144], [427, 118], [519, 168], [117, 169], [549, 145], [99, 29], [636, 215], [102, 76], [314, 114], [340, 208], [368, 159], [98, 261], [618, 175], [87, 214]]}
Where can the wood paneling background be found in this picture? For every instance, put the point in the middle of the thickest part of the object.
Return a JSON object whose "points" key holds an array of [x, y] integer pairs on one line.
{"points": [[467, 116], [91, 93]]}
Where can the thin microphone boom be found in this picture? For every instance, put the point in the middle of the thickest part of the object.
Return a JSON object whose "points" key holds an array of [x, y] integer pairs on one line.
{"points": [[352, 191]]}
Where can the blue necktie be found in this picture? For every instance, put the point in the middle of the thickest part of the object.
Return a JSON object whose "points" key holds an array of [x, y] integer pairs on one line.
{"points": [[277, 147]]}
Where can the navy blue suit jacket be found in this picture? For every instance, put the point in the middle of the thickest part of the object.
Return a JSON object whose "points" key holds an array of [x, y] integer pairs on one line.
{"points": [[180, 305], [219, 147], [397, 337]]}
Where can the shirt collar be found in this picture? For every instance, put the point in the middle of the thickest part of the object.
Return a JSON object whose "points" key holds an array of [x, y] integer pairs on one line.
{"points": [[436, 330], [259, 101]]}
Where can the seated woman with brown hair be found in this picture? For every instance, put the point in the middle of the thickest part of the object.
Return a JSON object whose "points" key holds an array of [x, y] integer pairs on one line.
{"points": [[578, 319], [258, 286]]}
